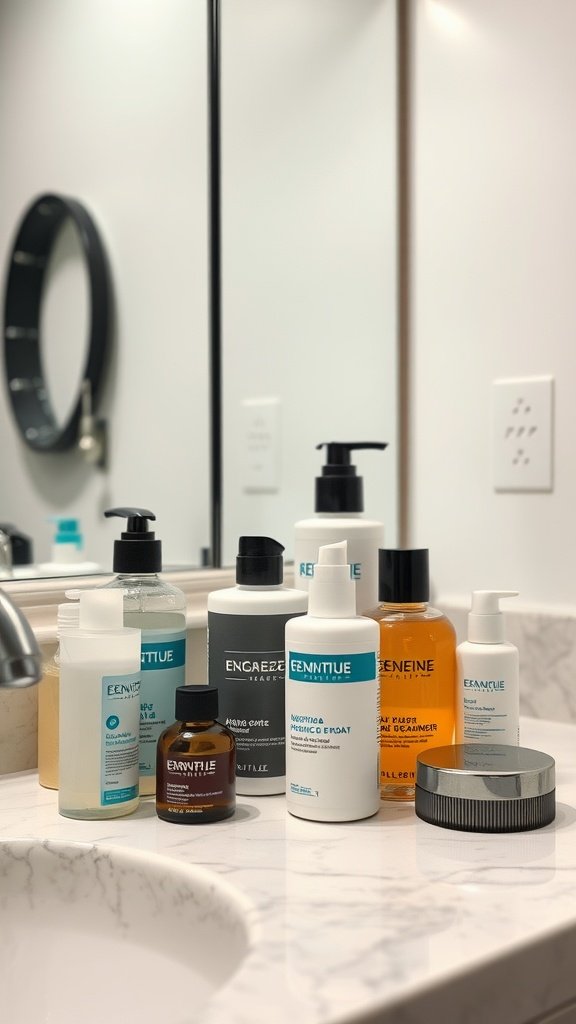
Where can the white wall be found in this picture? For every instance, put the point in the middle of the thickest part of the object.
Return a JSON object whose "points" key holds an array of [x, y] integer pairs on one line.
{"points": [[494, 265], [309, 237], [106, 102]]}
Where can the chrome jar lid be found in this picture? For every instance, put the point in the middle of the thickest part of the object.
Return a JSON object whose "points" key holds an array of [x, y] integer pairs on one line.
{"points": [[485, 787]]}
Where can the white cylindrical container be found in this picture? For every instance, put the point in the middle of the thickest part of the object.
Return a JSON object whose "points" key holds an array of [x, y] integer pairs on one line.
{"points": [[246, 661], [339, 505], [332, 700], [487, 676], [99, 711]]}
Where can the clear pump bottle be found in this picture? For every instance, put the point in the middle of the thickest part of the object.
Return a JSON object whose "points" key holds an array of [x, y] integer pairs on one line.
{"points": [[158, 610]]}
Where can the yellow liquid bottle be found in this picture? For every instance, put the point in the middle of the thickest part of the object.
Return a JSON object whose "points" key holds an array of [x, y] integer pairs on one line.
{"points": [[417, 664]]}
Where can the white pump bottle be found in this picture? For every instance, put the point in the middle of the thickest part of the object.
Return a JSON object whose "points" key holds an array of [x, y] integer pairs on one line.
{"points": [[487, 687]]}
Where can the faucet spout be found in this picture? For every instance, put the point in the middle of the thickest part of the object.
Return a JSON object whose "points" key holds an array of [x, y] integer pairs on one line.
{"points": [[20, 659]]}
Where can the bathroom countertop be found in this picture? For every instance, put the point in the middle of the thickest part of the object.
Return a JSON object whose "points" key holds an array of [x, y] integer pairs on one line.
{"points": [[388, 919]]}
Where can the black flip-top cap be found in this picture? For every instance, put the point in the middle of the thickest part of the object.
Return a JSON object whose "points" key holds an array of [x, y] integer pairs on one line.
{"points": [[137, 551], [403, 576], [196, 703], [259, 562], [339, 489]]}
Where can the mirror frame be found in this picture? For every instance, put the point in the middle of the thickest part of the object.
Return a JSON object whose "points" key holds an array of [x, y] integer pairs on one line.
{"points": [[27, 389]]}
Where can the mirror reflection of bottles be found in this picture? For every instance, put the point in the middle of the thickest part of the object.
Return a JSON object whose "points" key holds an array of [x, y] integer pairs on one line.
{"points": [[158, 610], [417, 670], [246, 661]]}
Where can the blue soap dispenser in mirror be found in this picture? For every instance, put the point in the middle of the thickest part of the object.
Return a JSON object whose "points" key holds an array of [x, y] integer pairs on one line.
{"points": [[159, 610]]}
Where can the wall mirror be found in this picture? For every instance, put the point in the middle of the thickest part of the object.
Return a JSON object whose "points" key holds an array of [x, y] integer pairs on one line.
{"points": [[110, 103]]}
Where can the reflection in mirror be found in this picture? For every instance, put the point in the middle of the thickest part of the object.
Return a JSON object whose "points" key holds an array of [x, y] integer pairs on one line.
{"points": [[309, 250], [64, 318], [108, 102]]}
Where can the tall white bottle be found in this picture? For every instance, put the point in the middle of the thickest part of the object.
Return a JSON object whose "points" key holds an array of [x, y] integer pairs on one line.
{"points": [[332, 700], [99, 711], [339, 505], [487, 676], [246, 662]]}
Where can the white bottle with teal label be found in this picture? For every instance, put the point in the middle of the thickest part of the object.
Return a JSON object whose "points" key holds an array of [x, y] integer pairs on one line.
{"points": [[99, 711], [332, 700], [158, 610]]}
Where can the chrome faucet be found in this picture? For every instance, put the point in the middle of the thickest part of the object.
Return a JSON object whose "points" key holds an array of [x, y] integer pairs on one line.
{"points": [[20, 659]]}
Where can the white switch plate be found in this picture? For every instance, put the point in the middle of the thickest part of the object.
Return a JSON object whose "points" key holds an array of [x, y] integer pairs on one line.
{"points": [[261, 445], [522, 420]]}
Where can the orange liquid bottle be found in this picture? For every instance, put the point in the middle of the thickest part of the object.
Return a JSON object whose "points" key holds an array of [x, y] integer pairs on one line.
{"points": [[417, 670]]}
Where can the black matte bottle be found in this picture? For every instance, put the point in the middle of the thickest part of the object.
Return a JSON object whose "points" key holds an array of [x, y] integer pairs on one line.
{"points": [[196, 762]]}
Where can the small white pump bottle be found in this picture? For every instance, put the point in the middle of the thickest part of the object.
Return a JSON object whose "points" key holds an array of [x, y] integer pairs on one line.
{"points": [[99, 710], [332, 700], [487, 686]]}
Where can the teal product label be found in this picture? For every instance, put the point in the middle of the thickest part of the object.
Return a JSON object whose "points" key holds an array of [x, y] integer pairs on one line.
{"points": [[332, 668], [163, 669], [306, 569], [119, 745]]}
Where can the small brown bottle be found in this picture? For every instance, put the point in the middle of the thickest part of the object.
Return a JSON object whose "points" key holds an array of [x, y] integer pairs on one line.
{"points": [[196, 762]]}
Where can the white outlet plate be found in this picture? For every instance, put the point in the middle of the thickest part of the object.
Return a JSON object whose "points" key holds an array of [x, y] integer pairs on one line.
{"points": [[522, 420], [261, 447]]}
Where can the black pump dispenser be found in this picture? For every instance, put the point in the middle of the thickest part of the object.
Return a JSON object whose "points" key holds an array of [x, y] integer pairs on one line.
{"points": [[339, 489], [137, 551], [259, 562]]}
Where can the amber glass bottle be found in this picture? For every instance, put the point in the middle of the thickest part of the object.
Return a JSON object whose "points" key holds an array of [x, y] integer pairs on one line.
{"points": [[417, 670], [196, 762]]}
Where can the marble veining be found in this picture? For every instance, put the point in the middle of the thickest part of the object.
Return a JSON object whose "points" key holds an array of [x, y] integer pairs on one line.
{"points": [[385, 920], [79, 921]]}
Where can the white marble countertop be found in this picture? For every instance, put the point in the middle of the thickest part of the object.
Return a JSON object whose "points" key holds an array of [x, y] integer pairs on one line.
{"points": [[388, 920]]}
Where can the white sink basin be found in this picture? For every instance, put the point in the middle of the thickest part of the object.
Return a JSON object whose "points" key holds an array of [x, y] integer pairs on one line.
{"points": [[100, 935]]}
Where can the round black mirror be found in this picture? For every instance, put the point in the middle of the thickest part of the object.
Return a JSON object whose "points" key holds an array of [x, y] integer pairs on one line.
{"points": [[25, 378]]}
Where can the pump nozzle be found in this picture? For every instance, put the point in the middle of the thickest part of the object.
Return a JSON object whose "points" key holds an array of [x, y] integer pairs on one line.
{"points": [[137, 518], [137, 551], [332, 590], [333, 554], [485, 620], [339, 489]]}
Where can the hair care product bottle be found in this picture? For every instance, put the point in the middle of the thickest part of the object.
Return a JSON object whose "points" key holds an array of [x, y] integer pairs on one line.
{"points": [[417, 670], [195, 774], [158, 610], [67, 551], [246, 662], [339, 506], [99, 711], [487, 673], [49, 698], [332, 700]]}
